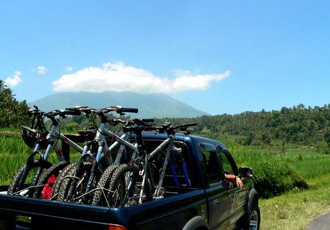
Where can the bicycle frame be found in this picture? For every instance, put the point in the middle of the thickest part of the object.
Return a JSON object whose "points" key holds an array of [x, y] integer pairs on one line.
{"points": [[52, 138], [123, 140], [103, 151], [57, 135], [169, 142]]}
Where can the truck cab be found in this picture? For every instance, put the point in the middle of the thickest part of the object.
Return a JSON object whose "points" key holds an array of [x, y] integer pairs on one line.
{"points": [[226, 200]]}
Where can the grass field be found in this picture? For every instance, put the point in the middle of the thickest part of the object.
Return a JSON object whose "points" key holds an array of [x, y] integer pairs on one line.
{"points": [[14, 153], [290, 211]]}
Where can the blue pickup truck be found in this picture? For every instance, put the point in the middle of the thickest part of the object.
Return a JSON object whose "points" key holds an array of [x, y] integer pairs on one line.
{"points": [[209, 201]]}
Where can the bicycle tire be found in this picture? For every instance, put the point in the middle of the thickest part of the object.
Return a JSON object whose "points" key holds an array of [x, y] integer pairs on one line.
{"points": [[15, 181], [59, 180], [118, 186], [79, 190], [53, 170], [12, 187], [98, 197], [65, 184]]}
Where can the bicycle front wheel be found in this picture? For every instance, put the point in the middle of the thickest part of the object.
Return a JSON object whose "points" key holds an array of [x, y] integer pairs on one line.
{"points": [[26, 189]]}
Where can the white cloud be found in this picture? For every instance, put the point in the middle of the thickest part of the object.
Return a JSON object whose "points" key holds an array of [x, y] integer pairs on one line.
{"points": [[15, 80], [119, 77], [41, 69], [69, 68]]}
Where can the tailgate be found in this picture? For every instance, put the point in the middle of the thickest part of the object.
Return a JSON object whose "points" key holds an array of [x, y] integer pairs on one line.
{"points": [[28, 213]]}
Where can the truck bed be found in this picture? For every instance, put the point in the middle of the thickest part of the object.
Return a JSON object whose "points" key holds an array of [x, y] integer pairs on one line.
{"points": [[18, 212]]}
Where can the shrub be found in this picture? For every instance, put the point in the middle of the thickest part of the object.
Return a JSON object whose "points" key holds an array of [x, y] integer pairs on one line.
{"points": [[274, 177], [71, 127], [323, 147]]}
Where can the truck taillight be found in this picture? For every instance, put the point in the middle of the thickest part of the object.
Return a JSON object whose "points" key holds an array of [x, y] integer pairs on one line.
{"points": [[116, 227]]}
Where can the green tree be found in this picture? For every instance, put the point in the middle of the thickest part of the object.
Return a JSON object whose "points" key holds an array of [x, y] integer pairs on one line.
{"points": [[11, 111]]}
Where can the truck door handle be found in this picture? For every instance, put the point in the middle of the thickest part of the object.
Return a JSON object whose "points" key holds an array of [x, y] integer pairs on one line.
{"points": [[216, 202]]}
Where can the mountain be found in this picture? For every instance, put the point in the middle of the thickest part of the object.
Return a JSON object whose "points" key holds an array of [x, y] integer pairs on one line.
{"points": [[149, 105]]}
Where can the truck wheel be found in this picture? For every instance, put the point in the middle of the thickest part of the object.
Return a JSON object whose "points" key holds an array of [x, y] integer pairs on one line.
{"points": [[59, 180], [101, 194], [125, 186], [54, 170], [253, 222]]}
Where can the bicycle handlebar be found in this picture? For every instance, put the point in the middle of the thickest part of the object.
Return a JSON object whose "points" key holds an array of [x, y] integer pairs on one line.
{"points": [[36, 111], [77, 110], [148, 120], [185, 126], [115, 122], [72, 112], [54, 113], [144, 122], [120, 110], [139, 125], [62, 113], [172, 130]]}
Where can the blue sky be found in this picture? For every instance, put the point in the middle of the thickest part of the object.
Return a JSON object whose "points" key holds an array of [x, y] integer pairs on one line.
{"points": [[217, 56]]}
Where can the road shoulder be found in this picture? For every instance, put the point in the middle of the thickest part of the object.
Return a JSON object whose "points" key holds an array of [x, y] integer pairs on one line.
{"points": [[321, 222]]}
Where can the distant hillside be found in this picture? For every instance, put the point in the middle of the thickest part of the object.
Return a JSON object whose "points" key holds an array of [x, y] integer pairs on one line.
{"points": [[149, 105], [297, 126]]}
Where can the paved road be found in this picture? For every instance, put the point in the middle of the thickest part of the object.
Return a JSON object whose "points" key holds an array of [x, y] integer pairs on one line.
{"points": [[320, 223]]}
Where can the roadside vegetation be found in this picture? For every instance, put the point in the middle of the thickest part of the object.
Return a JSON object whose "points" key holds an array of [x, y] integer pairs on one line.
{"points": [[295, 209]]}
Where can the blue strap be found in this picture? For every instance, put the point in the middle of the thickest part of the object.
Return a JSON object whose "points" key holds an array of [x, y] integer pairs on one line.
{"points": [[175, 176], [185, 171]]}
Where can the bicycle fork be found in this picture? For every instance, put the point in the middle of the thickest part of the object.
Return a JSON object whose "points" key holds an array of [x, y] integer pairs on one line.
{"points": [[43, 163], [80, 172]]}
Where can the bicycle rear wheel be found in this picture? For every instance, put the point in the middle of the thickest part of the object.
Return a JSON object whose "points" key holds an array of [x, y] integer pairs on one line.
{"points": [[59, 180], [125, 187], [102, 192], [41, 191], [78, 185]]}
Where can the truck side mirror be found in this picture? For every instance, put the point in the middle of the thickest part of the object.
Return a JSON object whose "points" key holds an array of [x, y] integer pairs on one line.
{"points": [[245, 172]]}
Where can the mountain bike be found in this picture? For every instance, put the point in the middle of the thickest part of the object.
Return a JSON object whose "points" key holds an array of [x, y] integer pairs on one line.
{"points": [[80, 179], [39, 139], [135, 126], [135, 183]]}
